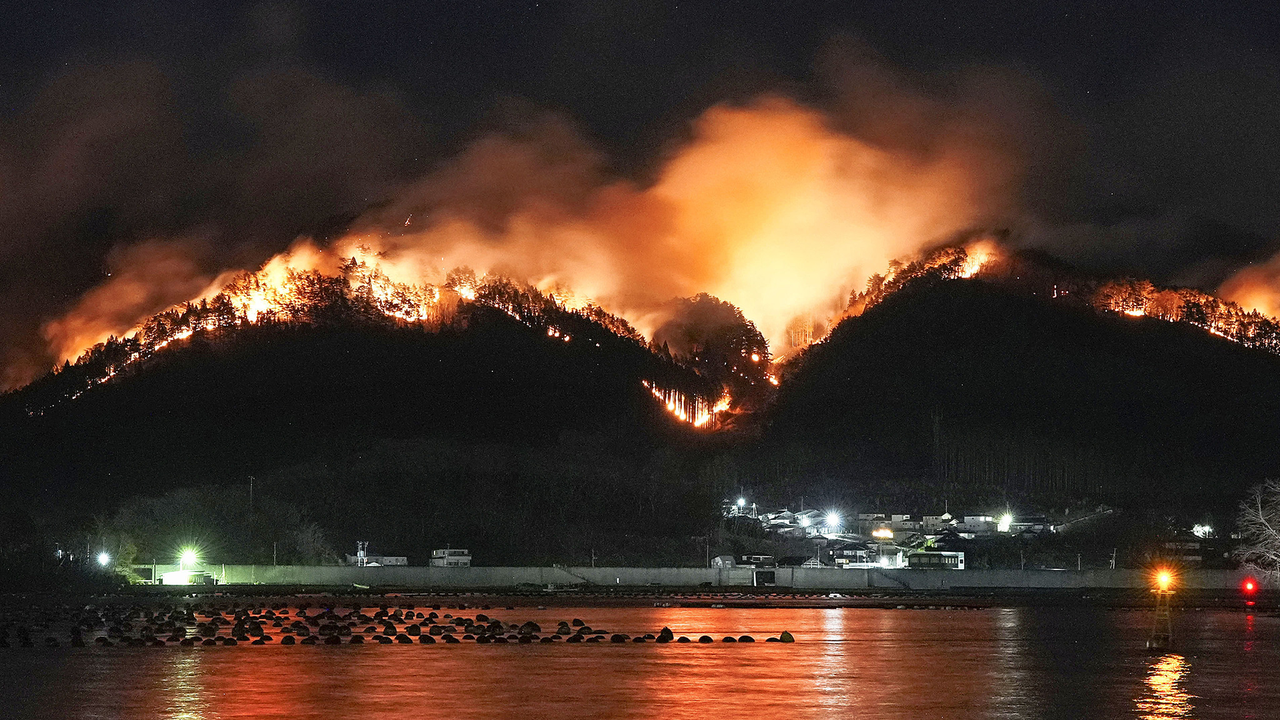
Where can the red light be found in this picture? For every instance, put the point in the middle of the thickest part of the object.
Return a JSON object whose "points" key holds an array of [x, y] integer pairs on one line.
{"points": [[1250, 585]]}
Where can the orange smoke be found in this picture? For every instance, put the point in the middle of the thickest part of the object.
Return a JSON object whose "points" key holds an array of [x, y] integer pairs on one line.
{"points": [[1256, 287], [146, 278], [766, 207]]}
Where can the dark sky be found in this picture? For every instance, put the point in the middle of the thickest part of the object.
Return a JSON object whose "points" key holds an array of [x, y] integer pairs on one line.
{"points": [[1159, 146]]}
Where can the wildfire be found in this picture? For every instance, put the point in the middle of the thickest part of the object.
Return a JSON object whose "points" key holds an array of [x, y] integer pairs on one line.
{"points": [[977, 255], [1140, 298], [301, 285], [694, 410], [297, 285]]}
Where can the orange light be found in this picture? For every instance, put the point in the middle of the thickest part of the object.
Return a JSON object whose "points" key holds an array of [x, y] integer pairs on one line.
{"points": [[1164, 579]]}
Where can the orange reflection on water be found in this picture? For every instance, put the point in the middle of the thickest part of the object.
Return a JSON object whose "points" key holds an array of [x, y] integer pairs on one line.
{"points": [[1165, 697]]}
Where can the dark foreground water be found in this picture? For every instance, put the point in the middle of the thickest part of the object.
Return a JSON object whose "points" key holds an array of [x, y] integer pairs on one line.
{"points": [[846, 663]]}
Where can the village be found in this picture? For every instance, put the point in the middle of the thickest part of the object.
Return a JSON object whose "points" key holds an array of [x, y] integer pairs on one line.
{"points": [[874, 540]]}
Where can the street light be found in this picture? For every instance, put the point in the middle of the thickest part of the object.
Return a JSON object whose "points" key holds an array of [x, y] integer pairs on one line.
{"points": [[104, 559], [1164, 579], [833, 519], [188, 557], [742, 502], [1006, 522]]}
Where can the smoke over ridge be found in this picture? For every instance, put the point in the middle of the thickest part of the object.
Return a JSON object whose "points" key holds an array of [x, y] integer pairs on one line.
{"points": [[766, 205], [779, 202]]}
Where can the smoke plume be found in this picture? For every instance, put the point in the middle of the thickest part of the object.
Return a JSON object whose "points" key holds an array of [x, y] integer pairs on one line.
{"points": [[774, 205], [1256, 287]]}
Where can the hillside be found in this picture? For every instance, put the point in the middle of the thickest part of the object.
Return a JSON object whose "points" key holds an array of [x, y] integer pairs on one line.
{"points": [[971, 388], [503, 422]]}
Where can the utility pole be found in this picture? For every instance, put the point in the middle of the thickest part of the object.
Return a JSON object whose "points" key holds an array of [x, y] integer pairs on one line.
{"points": [[252, 555]]}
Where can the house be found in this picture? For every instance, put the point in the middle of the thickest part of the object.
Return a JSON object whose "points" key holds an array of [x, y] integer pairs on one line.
{"points": [[451, 557], [904, 522], [377, 560], [933, 523], [935, 560], [977, 525], [802, 561], [1034, 524], [847, 554]]}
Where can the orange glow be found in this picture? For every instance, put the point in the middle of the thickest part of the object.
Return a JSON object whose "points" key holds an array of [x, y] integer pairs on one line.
{"points": [[1139, 298], [769, 205], [691, 409], [293, 285], [1256, 287], [1164, 579]]}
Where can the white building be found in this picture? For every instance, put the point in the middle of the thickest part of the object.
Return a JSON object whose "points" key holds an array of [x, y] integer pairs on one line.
{"points": [[451, 557]]}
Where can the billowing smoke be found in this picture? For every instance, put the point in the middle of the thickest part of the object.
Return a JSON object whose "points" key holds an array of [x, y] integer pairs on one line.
{"points": [[1256, 287], [144, 280], [773, 205]]}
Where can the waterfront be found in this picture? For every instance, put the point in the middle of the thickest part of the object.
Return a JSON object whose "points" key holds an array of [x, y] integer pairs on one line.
{"points": [[1076, 662]]}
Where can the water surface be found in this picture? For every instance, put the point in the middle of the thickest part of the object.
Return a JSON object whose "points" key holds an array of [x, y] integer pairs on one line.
{"points": [[846, 663]]}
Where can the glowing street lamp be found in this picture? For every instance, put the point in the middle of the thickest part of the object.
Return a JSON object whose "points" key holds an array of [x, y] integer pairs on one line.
{"points": [[833, 520], [1164, 579], [742, 502], [188, 557], [1005, 523], [104, 559]]}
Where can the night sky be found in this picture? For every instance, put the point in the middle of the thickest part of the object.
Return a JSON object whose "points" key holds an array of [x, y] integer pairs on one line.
{"points": [[1148, 131]]}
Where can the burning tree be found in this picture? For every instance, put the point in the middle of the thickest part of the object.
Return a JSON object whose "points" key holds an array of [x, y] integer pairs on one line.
{"points": [[1259, 526]]}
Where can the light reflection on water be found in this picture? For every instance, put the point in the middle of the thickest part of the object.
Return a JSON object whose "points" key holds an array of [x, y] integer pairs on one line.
{"points": [[1166, 698], [183, 688], [1023, 663]]}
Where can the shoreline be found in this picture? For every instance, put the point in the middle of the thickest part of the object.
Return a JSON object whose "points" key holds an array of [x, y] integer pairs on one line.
{"points": [[637, 597]]}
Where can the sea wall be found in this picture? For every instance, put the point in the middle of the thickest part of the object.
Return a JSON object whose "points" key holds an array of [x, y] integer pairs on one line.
{"points": [[796, 578]]}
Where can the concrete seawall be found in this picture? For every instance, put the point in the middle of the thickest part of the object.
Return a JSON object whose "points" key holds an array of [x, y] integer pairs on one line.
{"points": [[794, 578]]}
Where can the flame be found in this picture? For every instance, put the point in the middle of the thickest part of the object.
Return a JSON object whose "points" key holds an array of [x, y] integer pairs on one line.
{"points": [[767, 206], [1224, 319], [693, 410], [978, 254]]}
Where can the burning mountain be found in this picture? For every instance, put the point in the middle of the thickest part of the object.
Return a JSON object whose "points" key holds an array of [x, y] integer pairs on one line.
{"points": [[775, 207], [966, 371], [294, 291], [703, 335]]}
